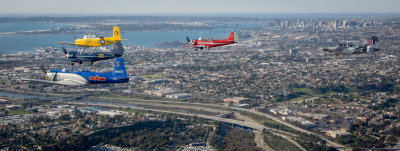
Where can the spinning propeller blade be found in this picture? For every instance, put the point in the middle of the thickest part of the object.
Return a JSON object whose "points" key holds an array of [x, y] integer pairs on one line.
{"points": [[43, 69], [65, 51], [187, 38]]}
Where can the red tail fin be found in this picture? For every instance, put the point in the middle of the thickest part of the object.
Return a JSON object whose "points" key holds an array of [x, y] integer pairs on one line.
{"points": [[232, 36]]}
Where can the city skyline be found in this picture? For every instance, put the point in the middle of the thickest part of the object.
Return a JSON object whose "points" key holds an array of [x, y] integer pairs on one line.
{"points": [[74, 7]]}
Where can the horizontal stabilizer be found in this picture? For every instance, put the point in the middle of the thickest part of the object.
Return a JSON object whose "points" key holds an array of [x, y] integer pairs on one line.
{"points": [[134, 77]]}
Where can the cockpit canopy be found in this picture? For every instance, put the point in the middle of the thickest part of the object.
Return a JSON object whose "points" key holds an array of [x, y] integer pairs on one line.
{"points": [[74, 69], [348, 44], [91, 36], [205, 39]]}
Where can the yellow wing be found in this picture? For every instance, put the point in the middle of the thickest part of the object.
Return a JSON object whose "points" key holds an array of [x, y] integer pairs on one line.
{"points": [[67, 43], [75, 44]]}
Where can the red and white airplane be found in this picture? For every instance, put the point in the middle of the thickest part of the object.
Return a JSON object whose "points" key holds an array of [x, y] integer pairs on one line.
{"points": [[209, 43]]}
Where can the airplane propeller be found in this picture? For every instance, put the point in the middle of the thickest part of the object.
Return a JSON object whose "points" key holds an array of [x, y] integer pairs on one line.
{"points": [[64, 50], [324, 50], [189, 41], [55, 77], [44, 70], [187, 38], [70, 54]]}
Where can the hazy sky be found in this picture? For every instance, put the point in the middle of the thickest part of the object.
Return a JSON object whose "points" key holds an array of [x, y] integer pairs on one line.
{"points": [[196, 6]]}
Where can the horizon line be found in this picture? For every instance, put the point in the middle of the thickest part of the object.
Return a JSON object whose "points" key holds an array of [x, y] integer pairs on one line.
{"points": [[165, 14]]}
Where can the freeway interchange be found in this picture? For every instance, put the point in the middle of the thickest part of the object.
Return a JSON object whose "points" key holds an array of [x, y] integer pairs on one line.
{"points": [[206, 111]]}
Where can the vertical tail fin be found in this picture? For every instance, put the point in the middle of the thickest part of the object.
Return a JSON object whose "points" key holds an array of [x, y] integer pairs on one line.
{"points": [[373, 44], [116, 33], [118, 49], [233, 37], [119, 67], [374, 40]]}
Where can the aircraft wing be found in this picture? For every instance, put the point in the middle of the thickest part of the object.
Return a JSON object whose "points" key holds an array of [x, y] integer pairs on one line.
{"points": [[67, 43], [59, 59], [71, 82], [43, 81], [63, 82], [65, 59], [194, 46]]}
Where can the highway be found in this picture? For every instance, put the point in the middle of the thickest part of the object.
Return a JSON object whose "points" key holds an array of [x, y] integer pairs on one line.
{"points": [[329, 142], [225, 120], [193, 105], [241, 123]]}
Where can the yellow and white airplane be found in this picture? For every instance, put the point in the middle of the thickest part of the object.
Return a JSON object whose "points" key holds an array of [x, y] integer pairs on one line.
{"points": [[96, 41]]}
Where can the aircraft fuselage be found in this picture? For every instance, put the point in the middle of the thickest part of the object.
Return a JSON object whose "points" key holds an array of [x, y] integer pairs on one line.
{"points": [[85, 77]]}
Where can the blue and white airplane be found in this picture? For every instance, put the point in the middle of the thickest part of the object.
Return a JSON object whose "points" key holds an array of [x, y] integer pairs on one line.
{"points": [[79, 57], [79, 76]]}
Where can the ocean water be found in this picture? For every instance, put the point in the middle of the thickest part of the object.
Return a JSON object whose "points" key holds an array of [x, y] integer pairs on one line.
{"points": [[16, 27], [10, 44], [15, 43]]}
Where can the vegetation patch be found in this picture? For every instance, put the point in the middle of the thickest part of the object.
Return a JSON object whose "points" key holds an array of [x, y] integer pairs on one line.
{"points": [[360, 141], [278, 143], [315, 146], [19, 112], [148, 135], [231, 138], [298, 94]]}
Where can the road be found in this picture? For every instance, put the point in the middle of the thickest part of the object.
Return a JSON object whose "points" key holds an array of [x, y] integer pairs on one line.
{"points": [[258, 137], [329, 142], [225, 120]]}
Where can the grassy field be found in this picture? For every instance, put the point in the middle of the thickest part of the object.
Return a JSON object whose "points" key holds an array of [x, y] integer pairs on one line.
{"points": [[305, 93], [278, 143], [260, 119], [19, 112]]}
